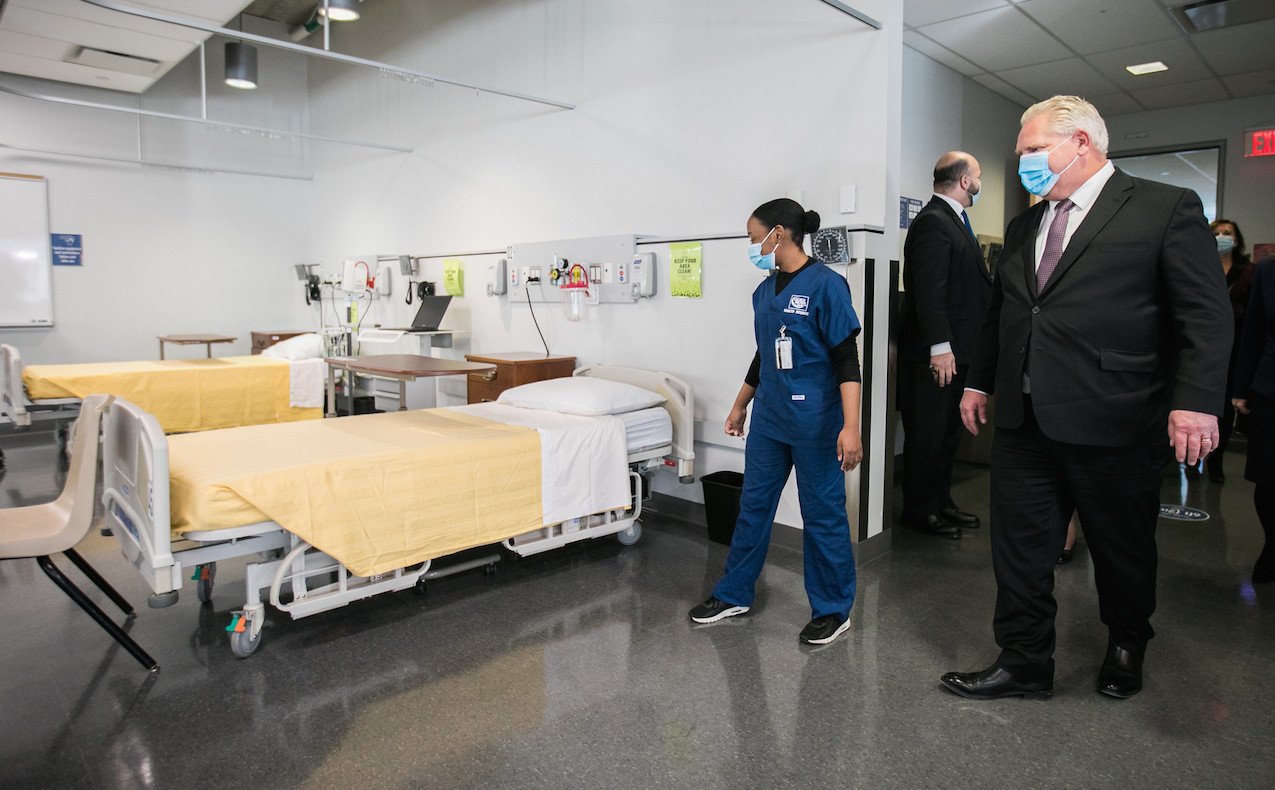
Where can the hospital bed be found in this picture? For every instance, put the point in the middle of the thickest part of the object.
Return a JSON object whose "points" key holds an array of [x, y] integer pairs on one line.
{"points": [[329, 512], [184, 395]]}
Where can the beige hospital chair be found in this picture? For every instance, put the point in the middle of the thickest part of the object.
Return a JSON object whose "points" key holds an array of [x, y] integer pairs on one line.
{"points": [[41, 530]]}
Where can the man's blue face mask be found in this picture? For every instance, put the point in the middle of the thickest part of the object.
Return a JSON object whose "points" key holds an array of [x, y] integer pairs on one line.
{"points": [[764, 262], [1034, 172]]}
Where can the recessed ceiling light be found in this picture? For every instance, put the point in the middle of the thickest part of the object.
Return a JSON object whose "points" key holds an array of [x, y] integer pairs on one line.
{"points": [[1146, 68]]}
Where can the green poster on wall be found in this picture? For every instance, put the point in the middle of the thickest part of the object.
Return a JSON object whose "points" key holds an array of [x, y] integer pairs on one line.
{"points": [[684, 269], [454, 277]]}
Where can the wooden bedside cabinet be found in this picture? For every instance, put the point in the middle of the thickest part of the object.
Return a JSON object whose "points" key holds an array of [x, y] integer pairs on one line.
{"points": [[514, 368], [264, 340]]}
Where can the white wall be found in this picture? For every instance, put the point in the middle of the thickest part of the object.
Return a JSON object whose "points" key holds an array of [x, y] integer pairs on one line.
{"points": [[166, 251], [688, 115], [1248, 184]]}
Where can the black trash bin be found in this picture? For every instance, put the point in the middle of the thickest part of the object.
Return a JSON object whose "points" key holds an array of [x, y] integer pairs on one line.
{"points": [[721, 504]]}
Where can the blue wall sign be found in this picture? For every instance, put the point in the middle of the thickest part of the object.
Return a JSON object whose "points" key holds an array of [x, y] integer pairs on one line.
{"points": [[908, 209], [68, 249]]}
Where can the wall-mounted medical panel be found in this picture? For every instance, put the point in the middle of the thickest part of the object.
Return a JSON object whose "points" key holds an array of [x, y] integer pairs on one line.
{"points": [[615, 274]]}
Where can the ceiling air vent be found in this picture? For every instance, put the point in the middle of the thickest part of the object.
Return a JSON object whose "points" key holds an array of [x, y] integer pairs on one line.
{"points": [[1213, 14], [113, 61]]}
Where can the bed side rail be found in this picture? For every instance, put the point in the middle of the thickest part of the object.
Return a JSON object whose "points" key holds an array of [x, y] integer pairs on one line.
{"points": [[679, 403], [135, 485], [13, 400]]}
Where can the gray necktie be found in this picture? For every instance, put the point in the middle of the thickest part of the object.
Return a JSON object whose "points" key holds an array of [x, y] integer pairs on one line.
{"points": [[1053, 245]]}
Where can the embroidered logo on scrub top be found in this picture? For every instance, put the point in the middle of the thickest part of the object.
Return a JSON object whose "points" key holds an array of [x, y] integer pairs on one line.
{"points": [[798, 304]]}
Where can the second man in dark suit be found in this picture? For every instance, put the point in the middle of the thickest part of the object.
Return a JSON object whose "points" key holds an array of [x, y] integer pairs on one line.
{"points": [[946, 291]]}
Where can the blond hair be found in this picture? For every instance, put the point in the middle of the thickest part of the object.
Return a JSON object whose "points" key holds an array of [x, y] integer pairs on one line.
{"points": [[1068, 115]]}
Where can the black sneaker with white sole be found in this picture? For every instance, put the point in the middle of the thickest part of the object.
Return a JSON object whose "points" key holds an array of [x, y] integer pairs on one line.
{"points": [[713, 610], [822, 630]]}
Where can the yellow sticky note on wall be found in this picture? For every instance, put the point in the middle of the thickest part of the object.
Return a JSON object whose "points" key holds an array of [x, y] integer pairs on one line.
{"points": [[454, 277]]}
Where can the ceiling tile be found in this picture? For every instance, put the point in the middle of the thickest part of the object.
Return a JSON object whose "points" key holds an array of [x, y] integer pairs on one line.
{"points": [[925, 12], [1256, 83], [1184, 65], [997, 40], [1115, 104], [1097, 25], [1180, 95], [1069, 77], [1002, 87], [1238, 50], [940, 53]]}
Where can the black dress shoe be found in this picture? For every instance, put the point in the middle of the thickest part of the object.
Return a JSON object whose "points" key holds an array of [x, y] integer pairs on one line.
{"points": [[995, 682], [933, 525], [1121, 673], [959, 517]]}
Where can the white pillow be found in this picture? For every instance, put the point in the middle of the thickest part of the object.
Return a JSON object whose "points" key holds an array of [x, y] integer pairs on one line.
{"points": [[583, 395], [307, 346]]}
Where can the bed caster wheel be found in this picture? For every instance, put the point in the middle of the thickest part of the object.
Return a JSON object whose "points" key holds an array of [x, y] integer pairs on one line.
{"points": [[204, 584], [243, 644], [162, 600], [489, 569], [631, 535], [421, 587]]}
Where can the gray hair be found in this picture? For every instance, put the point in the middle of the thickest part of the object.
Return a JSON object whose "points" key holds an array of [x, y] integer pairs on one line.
{"points": [[1068, 115]]}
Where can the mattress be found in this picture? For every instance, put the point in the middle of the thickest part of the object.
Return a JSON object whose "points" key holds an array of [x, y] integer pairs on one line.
{"points": [[376, 492], [645, 429], [183, 394]]}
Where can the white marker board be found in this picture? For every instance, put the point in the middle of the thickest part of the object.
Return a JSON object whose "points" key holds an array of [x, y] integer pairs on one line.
{"points": [[26, 266]]}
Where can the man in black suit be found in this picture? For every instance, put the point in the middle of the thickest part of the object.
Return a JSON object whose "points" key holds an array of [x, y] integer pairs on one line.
{"points": [[946, 288], [1106, 319]]}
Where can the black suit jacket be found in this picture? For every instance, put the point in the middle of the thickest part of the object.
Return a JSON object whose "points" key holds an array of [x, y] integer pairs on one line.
{"points": [[1255, 363], [1134, 321], [946, 286]]}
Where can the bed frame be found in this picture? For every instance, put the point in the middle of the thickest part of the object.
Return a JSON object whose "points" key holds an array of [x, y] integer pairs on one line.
{"points": [[136, 498], [15, 405]]}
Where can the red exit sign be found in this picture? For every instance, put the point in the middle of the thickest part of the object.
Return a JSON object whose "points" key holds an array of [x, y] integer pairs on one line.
{"points": [[1260, 143]]}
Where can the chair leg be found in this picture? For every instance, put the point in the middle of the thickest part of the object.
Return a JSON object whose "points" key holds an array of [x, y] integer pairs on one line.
{"points": [[59, 578], [96, 578]]}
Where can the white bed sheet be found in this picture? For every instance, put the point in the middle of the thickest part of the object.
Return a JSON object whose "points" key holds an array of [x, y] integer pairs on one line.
{"points": [[647, 428], [584, 463], [306, 382]]}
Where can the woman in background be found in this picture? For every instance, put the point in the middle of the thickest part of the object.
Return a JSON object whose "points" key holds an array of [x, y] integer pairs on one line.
{"points": [[1238, 269], [1255, 395]]}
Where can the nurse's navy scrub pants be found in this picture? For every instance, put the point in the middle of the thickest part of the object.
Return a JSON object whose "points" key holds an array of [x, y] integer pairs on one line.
{"points": [[827, 553]]}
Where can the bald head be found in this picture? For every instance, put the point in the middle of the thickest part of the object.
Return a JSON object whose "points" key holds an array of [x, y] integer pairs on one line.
{"points": [[958, 176]]}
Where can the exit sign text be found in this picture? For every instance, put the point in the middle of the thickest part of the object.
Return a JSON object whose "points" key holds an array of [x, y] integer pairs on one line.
{"points": [[1260, 143]]}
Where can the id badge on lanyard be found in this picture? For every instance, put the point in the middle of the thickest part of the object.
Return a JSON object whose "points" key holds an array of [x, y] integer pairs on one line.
{"points": [[783, 350]]}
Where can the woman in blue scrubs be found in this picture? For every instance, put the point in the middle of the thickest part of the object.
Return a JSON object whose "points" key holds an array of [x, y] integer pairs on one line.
{"points": [[805, 382]]}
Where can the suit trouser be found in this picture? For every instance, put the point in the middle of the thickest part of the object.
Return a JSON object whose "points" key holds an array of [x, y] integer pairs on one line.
{"points": [[1036, 484], [826, 550], [931, 434]]}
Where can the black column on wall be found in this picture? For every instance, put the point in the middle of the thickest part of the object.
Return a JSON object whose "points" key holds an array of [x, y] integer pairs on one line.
{"points": [[874, 365]]}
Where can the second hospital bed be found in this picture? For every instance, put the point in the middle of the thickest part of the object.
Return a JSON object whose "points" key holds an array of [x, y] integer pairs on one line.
{"points": [[340, 510], [184, 395]]}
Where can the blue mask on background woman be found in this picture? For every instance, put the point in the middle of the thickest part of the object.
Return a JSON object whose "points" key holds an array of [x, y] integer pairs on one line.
{"points": [[1034, 172], [1225, 244], [764, 262]]}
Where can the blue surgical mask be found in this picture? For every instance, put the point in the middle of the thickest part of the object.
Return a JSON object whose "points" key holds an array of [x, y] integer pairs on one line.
{"points": [[1034, 172], [1225, 244], [764, 262], [978, 189]]}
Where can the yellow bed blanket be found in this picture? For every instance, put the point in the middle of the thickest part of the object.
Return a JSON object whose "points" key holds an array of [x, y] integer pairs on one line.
{"points": [[183, 394], [375, 491]]}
